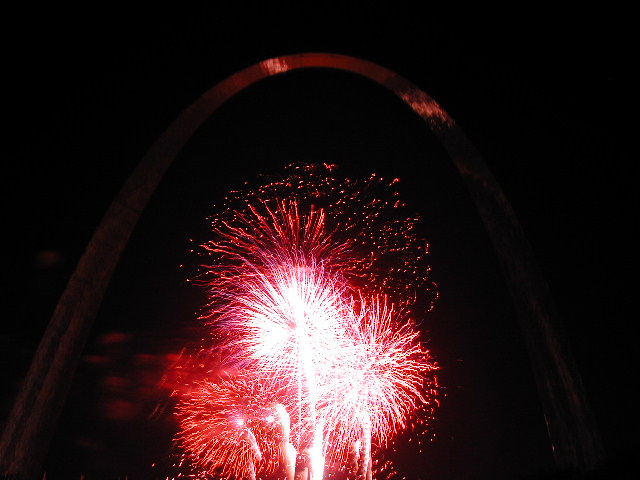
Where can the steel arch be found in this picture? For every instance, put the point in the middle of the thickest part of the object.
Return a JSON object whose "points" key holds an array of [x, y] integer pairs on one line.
{"points": [[574, 439]]}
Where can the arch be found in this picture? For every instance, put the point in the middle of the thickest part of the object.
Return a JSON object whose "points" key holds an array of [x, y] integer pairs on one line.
{"points": [[574, 439]]}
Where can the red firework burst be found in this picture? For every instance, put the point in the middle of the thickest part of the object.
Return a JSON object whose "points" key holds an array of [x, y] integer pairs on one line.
{"points": [[292, 317], [229, 428]]}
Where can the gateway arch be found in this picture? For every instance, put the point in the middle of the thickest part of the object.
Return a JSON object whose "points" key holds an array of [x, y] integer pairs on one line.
{"points": [[574, 439]]}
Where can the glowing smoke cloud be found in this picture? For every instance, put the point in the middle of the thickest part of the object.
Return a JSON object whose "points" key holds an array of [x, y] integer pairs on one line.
{"points": [[324, 364]]}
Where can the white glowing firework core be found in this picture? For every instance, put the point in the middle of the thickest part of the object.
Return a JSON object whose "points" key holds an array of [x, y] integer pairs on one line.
{"points": [[294, 316], [292, 319]]}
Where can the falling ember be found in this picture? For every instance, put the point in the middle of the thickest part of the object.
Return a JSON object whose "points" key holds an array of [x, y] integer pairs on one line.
{"points": [[310, 281]]}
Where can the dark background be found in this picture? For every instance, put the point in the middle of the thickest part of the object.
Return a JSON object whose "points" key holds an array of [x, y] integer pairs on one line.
{"points": [[545, 98]]}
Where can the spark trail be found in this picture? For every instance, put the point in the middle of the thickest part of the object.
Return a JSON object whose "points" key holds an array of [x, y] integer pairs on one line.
{"points": [[310, 281]]}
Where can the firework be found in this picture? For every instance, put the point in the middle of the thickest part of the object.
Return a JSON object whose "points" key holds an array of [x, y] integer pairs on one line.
{"points": [[378, 379], [302, 313], [363, 217], [228, 428]]}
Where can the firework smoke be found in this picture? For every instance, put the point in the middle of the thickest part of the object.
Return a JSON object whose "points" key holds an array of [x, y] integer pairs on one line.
{"points": [[310, 282]]}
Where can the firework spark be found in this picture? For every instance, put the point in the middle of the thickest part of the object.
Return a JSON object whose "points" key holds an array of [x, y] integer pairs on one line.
{"points": [[306, 322]]}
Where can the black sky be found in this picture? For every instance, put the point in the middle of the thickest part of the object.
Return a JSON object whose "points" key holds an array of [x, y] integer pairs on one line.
{"points": [[545, 100]]}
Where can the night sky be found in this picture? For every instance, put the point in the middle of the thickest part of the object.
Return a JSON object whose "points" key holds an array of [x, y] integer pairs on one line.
{"points": [[545, 101]]}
